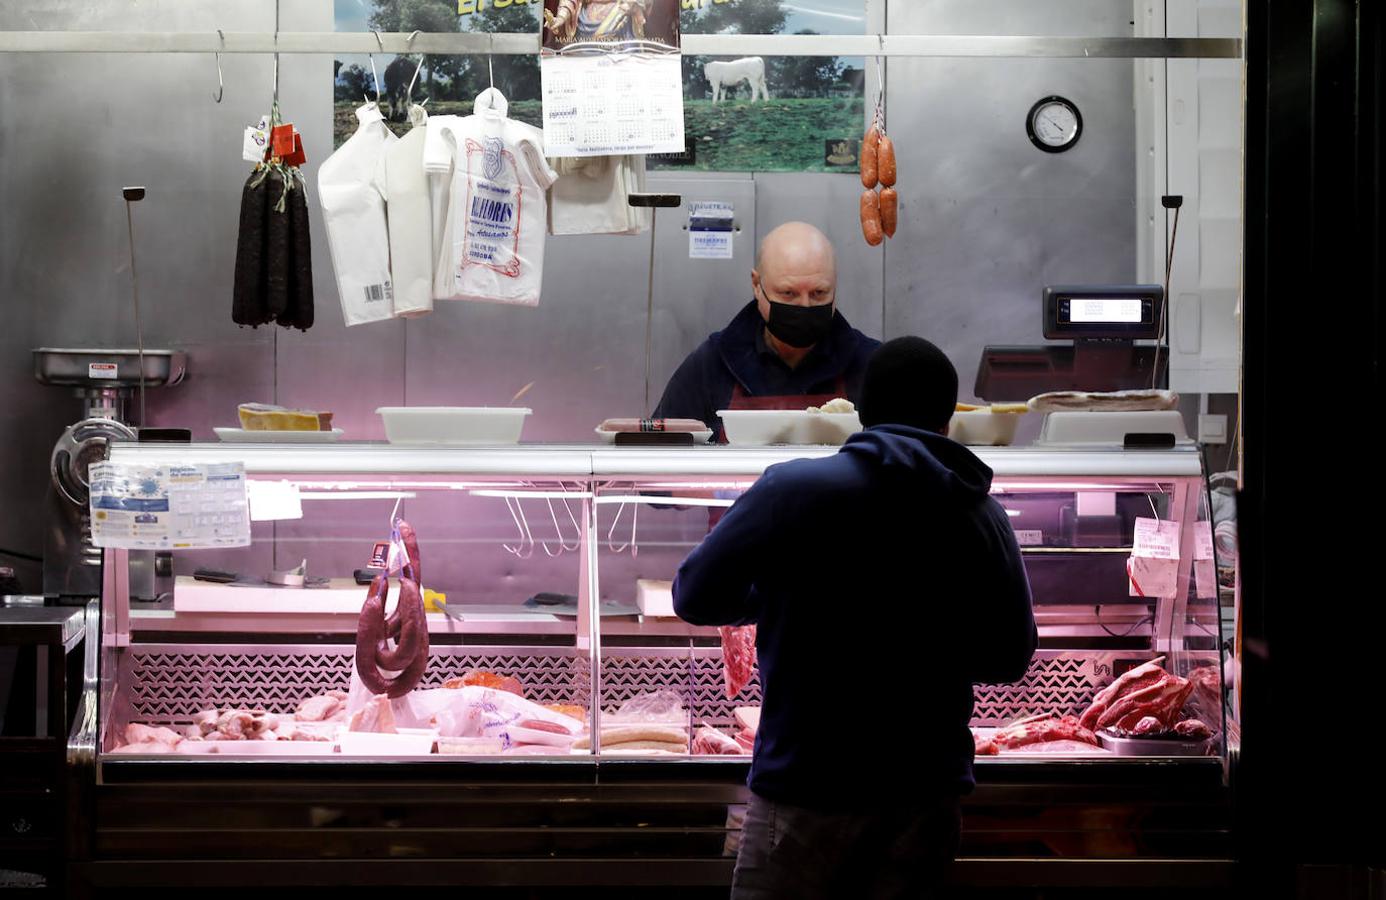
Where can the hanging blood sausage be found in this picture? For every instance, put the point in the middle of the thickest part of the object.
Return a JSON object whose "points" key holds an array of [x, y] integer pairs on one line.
{"points": [[376, 659]]}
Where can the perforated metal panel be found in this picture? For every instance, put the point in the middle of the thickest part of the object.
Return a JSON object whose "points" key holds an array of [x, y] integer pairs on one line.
{"points": [[1059, 683], [695, 674], [170, 683]]}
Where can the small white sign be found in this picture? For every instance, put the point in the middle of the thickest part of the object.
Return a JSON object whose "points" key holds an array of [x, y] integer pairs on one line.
{"points": [[1203, 540], [710, 244], [1152, 577], [271, 501], [1029, 537], [1156, 539], [255, 141], [101, 370]]}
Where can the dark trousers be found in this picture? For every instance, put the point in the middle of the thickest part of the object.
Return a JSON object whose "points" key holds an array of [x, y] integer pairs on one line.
{"points": [[792, 852]]}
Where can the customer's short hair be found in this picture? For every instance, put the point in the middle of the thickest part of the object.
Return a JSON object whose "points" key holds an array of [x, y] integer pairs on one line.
{"points": [[909, 381]]}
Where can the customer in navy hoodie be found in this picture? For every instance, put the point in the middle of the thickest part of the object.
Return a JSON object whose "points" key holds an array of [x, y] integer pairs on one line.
{"points": [[885, 581]]}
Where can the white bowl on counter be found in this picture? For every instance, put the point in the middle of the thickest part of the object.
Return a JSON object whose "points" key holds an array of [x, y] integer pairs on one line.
{"points": [[761, 427], [453, 425], [983, 428]]}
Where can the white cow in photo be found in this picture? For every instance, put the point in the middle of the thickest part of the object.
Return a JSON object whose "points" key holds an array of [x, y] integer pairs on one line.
{"points": [[725, 75]]}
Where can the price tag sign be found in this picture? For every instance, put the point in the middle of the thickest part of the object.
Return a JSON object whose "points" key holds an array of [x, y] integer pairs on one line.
{"points": [[1156, 539]]}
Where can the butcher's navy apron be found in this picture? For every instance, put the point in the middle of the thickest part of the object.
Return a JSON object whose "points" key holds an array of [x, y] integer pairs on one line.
{"points": [[742, 400]]}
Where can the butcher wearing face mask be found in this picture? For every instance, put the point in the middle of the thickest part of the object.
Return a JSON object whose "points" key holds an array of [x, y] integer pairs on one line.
{"points": [[789, 348]]}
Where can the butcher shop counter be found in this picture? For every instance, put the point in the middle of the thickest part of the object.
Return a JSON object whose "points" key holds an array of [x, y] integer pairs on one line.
{"points": [[544, 570]]}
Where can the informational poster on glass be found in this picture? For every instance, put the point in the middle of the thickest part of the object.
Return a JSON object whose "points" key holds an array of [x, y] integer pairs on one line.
{"points": [[771, 113], [169, 507], [611, 77]]}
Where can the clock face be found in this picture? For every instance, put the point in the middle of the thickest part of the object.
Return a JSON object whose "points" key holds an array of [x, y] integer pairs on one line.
{"points": [[1054, 124]]}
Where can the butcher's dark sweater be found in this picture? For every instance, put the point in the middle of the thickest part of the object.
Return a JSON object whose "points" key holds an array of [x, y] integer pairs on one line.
{"points": [[885, 581]]}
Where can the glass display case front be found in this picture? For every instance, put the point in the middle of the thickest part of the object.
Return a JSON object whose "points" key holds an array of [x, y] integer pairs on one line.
{"points": [[543, 579]]}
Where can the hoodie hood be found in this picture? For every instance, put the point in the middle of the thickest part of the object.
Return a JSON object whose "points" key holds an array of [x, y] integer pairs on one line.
{"points": [[927, 458]]}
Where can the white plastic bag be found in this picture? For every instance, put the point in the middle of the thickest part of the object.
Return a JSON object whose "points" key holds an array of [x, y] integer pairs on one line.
{"points": [[354, 213]]}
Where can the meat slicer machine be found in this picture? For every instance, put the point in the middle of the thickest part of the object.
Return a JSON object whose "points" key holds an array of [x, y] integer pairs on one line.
{"points": [[104, 380]]}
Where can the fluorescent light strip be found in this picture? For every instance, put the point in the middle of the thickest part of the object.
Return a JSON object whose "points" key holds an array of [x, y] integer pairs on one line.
{"points": [[534, 495], [356, 495], [665, 501]]}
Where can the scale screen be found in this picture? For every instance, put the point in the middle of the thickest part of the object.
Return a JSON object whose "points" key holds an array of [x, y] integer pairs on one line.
{"points": [[1120, 312]]}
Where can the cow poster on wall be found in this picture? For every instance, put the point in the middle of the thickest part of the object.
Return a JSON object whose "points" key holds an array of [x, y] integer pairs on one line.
{"points": [[611, 77], [804, 114], [771, 113]]}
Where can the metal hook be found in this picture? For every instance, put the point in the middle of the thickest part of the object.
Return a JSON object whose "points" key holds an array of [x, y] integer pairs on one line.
{"points": [[221, 85], [634, 516], [409, 93], [562, 540], [880, 84], [491, 72], [517, 514], [577, 529], [276, 55]]}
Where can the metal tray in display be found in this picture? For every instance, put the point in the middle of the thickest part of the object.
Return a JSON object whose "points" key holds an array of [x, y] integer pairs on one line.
{"points": [[116, 368], [1144, 746]]}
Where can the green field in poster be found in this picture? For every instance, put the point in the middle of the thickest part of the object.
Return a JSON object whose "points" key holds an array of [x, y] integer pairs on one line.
{"points": [[813, 102]]}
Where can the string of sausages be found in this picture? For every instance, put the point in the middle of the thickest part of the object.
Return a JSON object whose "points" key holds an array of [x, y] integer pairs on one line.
{"points": [[407, 626], [879, 211]]}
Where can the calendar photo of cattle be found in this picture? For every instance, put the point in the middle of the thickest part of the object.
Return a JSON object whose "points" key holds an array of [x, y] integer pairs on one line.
{"points": [[741, 114]]}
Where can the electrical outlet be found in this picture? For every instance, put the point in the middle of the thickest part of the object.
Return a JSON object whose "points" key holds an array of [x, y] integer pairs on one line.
{"points": [[1212, 429]]}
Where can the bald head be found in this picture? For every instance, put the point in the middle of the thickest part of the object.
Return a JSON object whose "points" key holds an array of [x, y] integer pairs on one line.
{"points": [[794, 245], [796, 265]]}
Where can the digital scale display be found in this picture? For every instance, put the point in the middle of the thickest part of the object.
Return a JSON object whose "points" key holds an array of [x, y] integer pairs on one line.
{"points": [[1103, 309], [1102, 312]]}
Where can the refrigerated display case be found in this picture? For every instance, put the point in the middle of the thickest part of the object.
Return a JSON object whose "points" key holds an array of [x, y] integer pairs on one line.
{"points": [[554, 563]]}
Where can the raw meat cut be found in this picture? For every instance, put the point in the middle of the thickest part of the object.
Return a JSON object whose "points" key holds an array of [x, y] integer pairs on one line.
{"points": [[144, 734], [1042, 729], [984, 746], [1148, 725], [711, 742], [319, 708], [376, 717], [1146, 690], [1058, 747], [738, 657], [1193, 729]]}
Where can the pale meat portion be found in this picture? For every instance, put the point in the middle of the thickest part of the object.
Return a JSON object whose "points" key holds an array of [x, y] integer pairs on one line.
{"points": [[376, 717], [708, 741], [321, 707], [147, 734]]}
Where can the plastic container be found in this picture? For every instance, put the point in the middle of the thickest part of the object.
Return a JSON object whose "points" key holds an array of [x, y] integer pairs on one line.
{"points": [[983, 428], [453, 425], [762, 427], [408, 742], [654, 597], [470, 746], [1085, 429]]}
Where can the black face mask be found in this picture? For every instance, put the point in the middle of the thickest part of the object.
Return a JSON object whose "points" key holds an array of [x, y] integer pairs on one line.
{"points": [[800, 326]]}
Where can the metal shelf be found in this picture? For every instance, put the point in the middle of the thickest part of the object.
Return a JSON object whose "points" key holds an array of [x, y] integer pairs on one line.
{"points": [[1031, 465], [522, 43]]}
